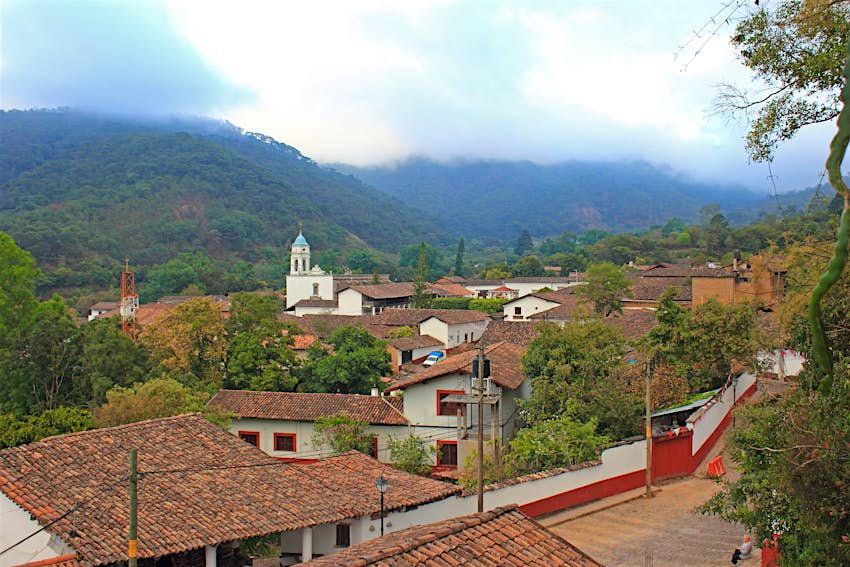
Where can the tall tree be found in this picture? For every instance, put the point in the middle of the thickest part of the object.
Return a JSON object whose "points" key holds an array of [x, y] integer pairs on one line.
{"points": [[421, 296], [459, 257], [605, 289], [523, 243], [355, 366]]}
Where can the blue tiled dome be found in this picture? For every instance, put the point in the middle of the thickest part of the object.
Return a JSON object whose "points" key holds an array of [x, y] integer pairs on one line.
{"points": [[300, 241]]}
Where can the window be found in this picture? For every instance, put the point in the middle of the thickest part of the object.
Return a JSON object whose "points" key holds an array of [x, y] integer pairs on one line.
{"points": [[373, 449], [343, 535], [448, 408], [252, 437], [517, 310], [446, 453], [284, 442], [315, 289], [466, 337]]}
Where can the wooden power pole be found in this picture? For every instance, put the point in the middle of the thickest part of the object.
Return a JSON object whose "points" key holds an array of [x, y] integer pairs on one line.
{"points": [[132, 538]]}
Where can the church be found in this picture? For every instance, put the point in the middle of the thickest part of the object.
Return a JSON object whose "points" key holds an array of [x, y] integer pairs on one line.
{"points": [[304, 282]]}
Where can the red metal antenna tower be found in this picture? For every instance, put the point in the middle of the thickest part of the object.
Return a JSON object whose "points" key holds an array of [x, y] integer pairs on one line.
{"points": [[129, 302]]}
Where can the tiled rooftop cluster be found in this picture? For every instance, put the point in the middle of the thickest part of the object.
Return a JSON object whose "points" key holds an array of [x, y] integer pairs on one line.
{"points": [[504, 536], [199, 485]]}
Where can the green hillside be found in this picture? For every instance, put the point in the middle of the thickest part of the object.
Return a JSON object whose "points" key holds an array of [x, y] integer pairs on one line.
{"points": [[501, 198], [82, 192]]}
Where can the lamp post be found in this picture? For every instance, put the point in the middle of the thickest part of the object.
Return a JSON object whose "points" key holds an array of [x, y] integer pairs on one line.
{"points": [[381, 485]]}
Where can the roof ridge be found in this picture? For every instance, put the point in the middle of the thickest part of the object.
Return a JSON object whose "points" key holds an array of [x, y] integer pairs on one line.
{"points": [[122, 426]]}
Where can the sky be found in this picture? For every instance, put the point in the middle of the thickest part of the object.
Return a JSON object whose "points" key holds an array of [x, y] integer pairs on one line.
{"points": [[372, 82]]}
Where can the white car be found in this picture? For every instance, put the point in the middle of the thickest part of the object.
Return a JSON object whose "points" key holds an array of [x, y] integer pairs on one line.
{"points": [[433, 358]]}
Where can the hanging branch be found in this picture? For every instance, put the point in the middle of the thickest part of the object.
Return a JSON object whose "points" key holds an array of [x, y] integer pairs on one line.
{"points": [[837, 149]]}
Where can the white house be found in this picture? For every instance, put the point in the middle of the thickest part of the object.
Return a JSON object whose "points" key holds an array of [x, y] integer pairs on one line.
{"points": [[281, 423], [303, 281], [374, 298], [454, 327], [556, 306], [428, 403]]}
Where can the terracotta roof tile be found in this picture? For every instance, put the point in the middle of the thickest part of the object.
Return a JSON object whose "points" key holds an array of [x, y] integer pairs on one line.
{"points": [[199, 485], [385, 291], [316, 302], [516, 332], [651, 289], [505, 367], [59, 561], [416, 341], [634, 323], [503, 536], [293, 406]]}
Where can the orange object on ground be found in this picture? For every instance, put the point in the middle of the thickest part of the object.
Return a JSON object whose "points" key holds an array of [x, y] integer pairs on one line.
{"points": [[715, 467], [770, 552]]}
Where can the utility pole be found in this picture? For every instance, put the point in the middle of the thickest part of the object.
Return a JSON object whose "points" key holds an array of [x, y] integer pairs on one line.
{"points": [[647, 372], [132, 541], [480, 426]]}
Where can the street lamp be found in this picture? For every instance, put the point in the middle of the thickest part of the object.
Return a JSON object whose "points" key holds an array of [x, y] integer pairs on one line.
{"points": [[381, 485]]}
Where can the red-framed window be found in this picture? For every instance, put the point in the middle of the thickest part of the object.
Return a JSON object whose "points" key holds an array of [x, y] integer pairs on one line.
{"points": [[252, 437], [446, 453], [373, 449], [448, 408], [284, 442], [517, 310]]}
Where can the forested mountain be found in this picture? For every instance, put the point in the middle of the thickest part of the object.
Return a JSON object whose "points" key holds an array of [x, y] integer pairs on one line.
{"points": [[82, 192], [499, 198]]}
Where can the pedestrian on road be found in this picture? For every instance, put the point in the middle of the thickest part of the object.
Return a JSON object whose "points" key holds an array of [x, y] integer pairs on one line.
{"points": [[743, 551]]}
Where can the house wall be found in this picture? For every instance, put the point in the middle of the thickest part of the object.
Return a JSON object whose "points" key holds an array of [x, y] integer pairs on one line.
{"points": [[301, 287], [300, 311], [350, 302], [721, 289], [528, 305], [304, 434], [420, 407], [453, 335], [524, 288], [16, 524]]}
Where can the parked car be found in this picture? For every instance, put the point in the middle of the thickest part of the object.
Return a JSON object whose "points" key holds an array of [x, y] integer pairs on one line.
{"points": [[434, 357]]}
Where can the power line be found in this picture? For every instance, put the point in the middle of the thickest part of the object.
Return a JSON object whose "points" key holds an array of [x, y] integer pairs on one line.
{"points": [[66, 514]]}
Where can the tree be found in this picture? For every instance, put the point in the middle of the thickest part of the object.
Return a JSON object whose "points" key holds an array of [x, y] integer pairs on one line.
{"points": [[523, 243], [361, 262], [606, 287], [261, 359], [569, 368], [411, 454], [160, 397], [341, 434], [797, 49], [188, 344], [557, 442], [16, 431], [716, 234], [459, 257], [421, 296], [529, 266], [250, 310], [702, 343], [108, 359], [497, 272], [355, 366]]}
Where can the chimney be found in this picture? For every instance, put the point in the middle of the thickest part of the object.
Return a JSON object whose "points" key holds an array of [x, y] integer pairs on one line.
{"points": [[375, 392]]}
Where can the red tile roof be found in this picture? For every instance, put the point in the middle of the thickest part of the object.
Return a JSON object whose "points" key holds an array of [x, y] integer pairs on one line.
{"points": [[505, 367], [292, 406], [416, 341], [385, 291], [446, 288], [516, 332], [316, 302], [503, 536], [59, 561], [651, 289], [634, 323], [199, 485]]}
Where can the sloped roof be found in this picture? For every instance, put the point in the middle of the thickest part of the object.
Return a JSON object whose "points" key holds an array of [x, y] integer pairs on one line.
{"points": [[505, 367], [105, 306], [567, 302], [449, 289], [634, 323], [503, 536], [415, 341], [300, 240], [199, 485], [316, 302], [58, 561], [296, 406], [651, 289], [384, 291], [540, 279], [459, 316], [411, 317], [516, 332], [667, 271]]}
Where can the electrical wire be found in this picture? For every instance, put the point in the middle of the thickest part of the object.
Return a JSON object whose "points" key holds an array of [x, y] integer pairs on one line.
{"points": [[66, 514]]}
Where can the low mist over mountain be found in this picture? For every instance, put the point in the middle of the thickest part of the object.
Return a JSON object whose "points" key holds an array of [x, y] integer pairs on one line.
{"points": [[500, 198]]}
